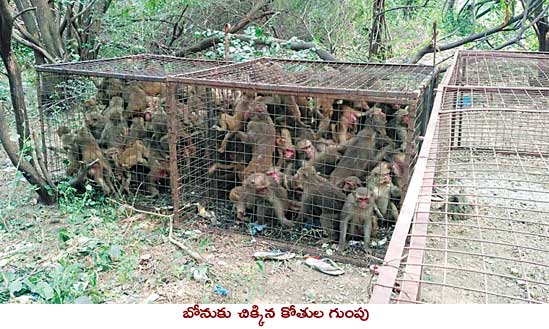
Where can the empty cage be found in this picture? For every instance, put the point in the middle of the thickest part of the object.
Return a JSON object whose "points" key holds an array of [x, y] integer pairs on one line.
{"points": [[474, 226], [295, 148], [105, 122]]}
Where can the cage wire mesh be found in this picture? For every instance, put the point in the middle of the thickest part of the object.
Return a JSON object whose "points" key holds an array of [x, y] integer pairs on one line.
{"points": [[290, 150], [480, 202], [501, 69], [105, 122]]}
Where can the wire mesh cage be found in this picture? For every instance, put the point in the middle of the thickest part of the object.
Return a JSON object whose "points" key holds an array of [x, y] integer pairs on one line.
{"points": [[474, 227], [106, 122], [302, 152], [501, 69]]}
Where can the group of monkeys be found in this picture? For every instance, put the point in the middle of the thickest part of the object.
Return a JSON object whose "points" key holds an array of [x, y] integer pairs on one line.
{"points": [[310, 160], [124, 140]]}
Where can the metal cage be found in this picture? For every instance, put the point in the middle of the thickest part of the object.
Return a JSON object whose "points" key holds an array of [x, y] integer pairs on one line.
{"points": [[105, 122], [474, 226], [282, 146]]}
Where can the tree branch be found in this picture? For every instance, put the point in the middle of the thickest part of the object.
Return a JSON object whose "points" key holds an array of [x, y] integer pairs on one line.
{"points": [[293, 45], [429, 49], [245, 21]]}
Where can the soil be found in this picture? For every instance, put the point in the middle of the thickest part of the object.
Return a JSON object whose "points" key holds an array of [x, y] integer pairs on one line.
{"points": [[155, 270], [499, 249]]}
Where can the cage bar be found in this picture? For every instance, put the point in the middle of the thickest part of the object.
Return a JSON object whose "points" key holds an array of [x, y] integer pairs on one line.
{"points": [[105, 124], [475, 228], [259, 118], [501, 69]]}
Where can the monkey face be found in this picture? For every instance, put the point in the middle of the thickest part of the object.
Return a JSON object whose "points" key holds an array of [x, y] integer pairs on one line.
{"points": [[273, 173], [385, 179], [362, 197], [289, 153], [405, 119], [309, 151]]}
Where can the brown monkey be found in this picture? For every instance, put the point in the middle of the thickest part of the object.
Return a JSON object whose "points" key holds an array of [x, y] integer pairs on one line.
{"points": [[359, 212], [350, 184], [234, 123], [108, 88], [95, 121], [377, 120], [398, 128], [285, 149], [116, 103], [137, 130], [291, 109], [136, 153], [359, 157], [261, 134], [71, 149], [322, 161], [327, 106], [137, 100], [348, 120], [320, 196], [115, 132], [159, 173], [381, 185], [267, 196], [93, 161]]}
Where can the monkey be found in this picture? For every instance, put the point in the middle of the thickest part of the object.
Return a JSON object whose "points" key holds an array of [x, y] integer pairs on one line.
{"points": [[377, 119], [319, 195], [285, 149], [359, 157], [380, 183], [137, 130], [291, 110], [116, 103], [322, 161], [259, 190], [350, 184], [357, 211], [95, 121], [137, 100], [327, 106], [348, 119], [261, 134], [158, 126], [83, 147], [234, 123], [159, 173], [71, 149], [398, 167], [134, 154], [108, 88], [398, 128], [116, 130]]}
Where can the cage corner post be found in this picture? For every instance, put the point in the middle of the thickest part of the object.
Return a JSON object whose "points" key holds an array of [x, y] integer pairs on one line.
{"points": [[40, 105], [173, 131]]}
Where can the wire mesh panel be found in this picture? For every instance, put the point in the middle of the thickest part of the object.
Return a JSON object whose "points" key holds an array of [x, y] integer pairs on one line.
{"points": [[105, 124], [480, 226], [501, 69], [319, 165]]}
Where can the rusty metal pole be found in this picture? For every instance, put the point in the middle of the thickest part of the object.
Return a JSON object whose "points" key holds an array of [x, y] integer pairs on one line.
{"points": [[173, 138]]}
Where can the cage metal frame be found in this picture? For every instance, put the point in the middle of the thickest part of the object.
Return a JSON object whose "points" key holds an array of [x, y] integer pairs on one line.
{"points": [[421, 95], [102, 68], [410, 233]]}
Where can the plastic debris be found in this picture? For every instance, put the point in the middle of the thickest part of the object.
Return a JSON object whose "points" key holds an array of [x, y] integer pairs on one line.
{"points": [[221, 291], [200, 274], [379, 243], [324, 265], [256, 228]]}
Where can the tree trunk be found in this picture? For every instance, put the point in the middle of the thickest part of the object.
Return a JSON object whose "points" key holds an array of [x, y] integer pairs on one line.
{"points": [[542, 28], [378, 33], [15, 153]]}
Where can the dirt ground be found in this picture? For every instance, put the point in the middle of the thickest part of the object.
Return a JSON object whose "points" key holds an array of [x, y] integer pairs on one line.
{"points": [[64, 248], [498, 252]]}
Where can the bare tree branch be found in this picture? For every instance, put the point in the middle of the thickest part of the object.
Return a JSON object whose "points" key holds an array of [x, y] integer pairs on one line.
{"points": [[245, 21]]}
